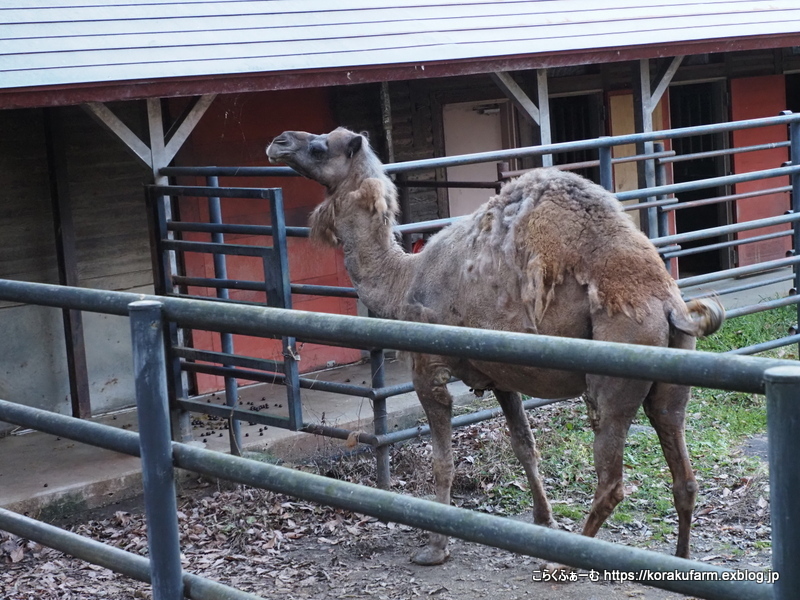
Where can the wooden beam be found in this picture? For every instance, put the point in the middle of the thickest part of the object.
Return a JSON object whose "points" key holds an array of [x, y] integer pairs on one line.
{"points": [[544, 114], [643, 123], [185, 126], [516, 94], [664, 82], [537, 115], [103, 115], [66, 256], [155, 123]]}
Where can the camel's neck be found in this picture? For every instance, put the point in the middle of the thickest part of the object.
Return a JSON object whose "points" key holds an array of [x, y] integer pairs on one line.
{"points": [[377, 265]]}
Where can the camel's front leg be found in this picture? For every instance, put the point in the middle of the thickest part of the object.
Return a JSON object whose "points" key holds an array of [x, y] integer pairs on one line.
{"points": [[430, 382]]}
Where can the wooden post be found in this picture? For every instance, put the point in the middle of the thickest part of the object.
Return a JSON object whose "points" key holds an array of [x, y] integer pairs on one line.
{"points": [[66, 256]]}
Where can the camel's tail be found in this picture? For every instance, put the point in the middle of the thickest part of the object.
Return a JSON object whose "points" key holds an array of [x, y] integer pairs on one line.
{"points": [[700, 318]]}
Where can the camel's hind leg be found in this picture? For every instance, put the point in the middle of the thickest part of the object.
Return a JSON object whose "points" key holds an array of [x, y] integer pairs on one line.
{"points": [[524, 445], [612, 405], [665, 406]]}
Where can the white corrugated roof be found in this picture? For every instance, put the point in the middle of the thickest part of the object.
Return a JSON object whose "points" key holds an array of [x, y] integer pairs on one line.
{"points": [[61, 42]]}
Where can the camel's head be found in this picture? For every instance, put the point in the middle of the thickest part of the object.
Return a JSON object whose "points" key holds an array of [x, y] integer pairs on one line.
{"points": [[329, 159]]}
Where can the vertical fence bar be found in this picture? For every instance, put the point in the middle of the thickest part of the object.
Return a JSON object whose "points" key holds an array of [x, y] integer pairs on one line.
{"points": [[783, 430], [283, 290], [663, 216], [150, 372], [404, 198], [226, 339], [162, 282], [794, 156], [377, 361], [606, 168]]}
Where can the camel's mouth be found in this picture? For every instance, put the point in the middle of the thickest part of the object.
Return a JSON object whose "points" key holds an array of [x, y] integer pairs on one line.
{"points": [[276, 155], [275, 151]]}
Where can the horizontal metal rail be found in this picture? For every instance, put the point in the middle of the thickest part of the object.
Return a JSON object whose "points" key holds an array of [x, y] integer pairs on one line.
{"points": [[258, 286], [461, 421], [649, 204], [740, 288], [216, 248], [323, 290], [691, 236], [677, 188], [764, 346], [227, 284], [204, 191], [265, 364], [233, 228], [728, 198], [762, 306], [318, 385], [233, 412], [615, 359], [728, 244], [429, 183], [739, 271], [490, 530], [592, 163], [725, 152]]}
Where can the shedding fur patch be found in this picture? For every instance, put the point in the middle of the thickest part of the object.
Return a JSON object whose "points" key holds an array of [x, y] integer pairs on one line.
{"points": [[549, 224], [322, 222], [374, 195]]}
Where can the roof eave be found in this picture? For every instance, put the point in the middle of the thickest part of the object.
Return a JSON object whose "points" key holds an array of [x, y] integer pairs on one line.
{"points": [[280, 80]]}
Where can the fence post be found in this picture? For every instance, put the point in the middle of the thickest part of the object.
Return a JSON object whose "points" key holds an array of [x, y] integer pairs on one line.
{"points": [[606, 167], [663, 216], [794, 157], [377, 359], [783, 430], [150, 372], [226, 339]]}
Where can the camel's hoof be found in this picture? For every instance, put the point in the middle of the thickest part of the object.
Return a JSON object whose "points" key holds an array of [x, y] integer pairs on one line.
{"points": [[430, 556], [550, 523]]}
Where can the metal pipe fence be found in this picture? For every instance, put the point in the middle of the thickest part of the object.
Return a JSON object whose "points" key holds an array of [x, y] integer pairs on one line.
{"points": [[150, 315]]}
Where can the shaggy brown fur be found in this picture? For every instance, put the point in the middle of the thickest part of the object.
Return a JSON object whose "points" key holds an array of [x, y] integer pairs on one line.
{"points": [[551, 254]]}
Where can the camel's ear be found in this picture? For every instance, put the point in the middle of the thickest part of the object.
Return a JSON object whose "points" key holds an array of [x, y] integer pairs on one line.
{"points": [[354, 145]]}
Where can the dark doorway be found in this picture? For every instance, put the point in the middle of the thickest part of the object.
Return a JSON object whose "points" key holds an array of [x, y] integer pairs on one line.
{"points": [[575, 118], [793, 92], [692, 105]]}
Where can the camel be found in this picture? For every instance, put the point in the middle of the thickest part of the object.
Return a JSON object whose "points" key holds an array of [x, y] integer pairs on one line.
{"points": [[551, 254]]}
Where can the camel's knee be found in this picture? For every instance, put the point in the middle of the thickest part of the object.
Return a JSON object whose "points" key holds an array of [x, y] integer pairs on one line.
{"points": [[685, 494]]}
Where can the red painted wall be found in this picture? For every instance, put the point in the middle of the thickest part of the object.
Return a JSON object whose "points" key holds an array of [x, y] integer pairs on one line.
{"points": [[755, 97], [235, 131]]}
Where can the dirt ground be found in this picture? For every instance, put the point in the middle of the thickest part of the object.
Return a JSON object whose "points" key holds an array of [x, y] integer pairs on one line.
{"points": [[281, 548]]}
